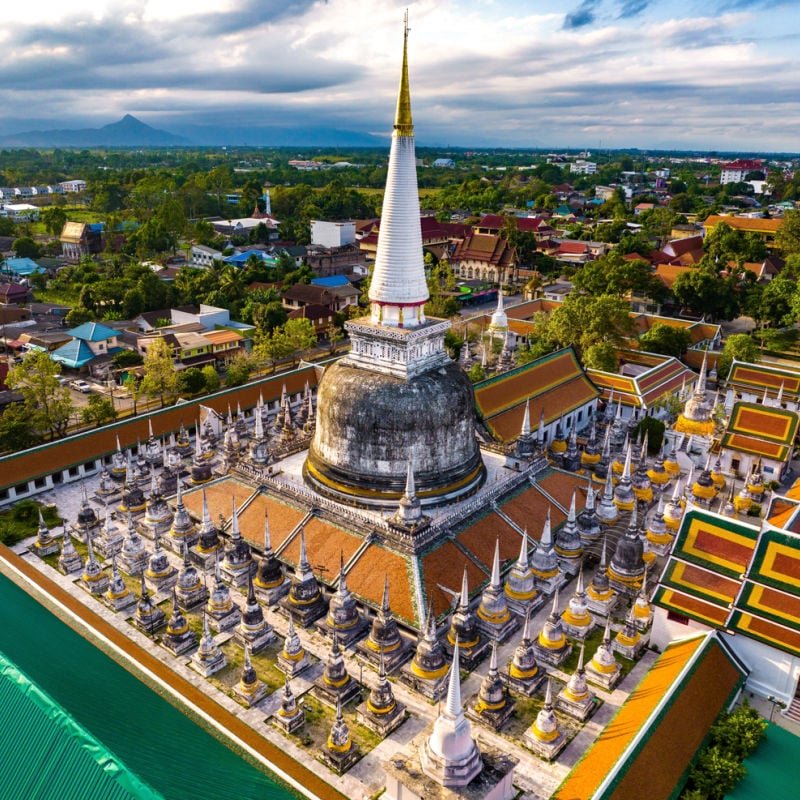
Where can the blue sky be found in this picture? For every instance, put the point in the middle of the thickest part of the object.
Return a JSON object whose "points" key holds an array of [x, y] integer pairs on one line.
{"points": [[578, 73]]}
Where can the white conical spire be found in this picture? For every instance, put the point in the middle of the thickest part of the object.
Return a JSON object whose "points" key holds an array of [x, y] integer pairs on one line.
{"points": [[522, 562], [546, 542], [495, 581], [701, 380], [267, 537], [206, 522], [411, 489], [526, 420], [235, 532], [398, 290], [464, 598], [454, 707], [258, 430], [571, 514]]}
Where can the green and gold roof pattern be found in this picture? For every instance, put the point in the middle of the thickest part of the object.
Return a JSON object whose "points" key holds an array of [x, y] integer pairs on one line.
{"points": [[725, 574], [761, 430]]}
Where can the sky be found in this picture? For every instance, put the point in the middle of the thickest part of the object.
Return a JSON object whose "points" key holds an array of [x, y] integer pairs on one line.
{"points": [[673, 74]]}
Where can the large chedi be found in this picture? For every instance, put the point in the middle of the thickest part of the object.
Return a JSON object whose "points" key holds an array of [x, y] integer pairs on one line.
{"points": [[396, 398]]}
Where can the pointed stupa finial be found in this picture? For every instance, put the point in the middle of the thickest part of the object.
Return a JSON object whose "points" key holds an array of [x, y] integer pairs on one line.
{"points": [[342, 588], [579, 668], [547, 536], [701, 380], [303, 564], [493, 659], [267, 537], [626, 469], [411, 489], [119, 447], [150, 434], [554, 610], [523, 550], [571, 514], [454, 708], [464, 598], [495, 580], [235, 532], [604, 554], [779, 396], [633, 525], [540, 429], [206, 523], [403, 124], [526, 419]]}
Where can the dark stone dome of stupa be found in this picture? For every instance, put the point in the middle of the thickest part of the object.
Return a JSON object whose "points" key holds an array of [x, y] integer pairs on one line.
{"points": [[371, 424]]}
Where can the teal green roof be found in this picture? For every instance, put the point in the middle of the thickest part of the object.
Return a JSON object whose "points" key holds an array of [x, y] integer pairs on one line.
{"points": [[93, 332], [74, 354], [49, 756]]}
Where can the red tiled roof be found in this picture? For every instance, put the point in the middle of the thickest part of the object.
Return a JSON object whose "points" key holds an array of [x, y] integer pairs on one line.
{"points": [[444, 566]]}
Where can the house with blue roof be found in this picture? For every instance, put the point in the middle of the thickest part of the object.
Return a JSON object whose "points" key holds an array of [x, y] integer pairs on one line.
{"points": [[21, 267], [90, 341], [330, 281], [240, 259]]}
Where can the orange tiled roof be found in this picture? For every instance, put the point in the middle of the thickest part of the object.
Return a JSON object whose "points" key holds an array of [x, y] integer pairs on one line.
{"points": [[283, 519], [48, 458], [223, 336], [218, 494], [479, 538], [366, 577], [324, 543], [766, 631], [560, 486], [756, 225], [444, 566], [756, 377], [774, 424], [715, 542], [554, 383], [529, 510], [669, 740], [691, 606]]}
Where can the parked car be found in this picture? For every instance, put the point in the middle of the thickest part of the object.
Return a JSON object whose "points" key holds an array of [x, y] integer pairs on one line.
{"points": [[82, 386]]}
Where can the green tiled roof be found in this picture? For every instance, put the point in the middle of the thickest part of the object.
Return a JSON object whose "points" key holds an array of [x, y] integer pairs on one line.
{"points": [[48, 755]]}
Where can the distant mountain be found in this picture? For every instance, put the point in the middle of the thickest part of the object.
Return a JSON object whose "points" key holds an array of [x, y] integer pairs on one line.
{"points": [[126, 132], [237, 136]]}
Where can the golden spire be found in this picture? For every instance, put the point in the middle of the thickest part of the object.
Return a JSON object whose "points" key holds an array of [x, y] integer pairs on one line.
{"points": [[403, 125]]}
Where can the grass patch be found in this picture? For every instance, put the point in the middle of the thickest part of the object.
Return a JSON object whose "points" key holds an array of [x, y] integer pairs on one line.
{"points": [[319, 720], [22, 520], [591, 644]]}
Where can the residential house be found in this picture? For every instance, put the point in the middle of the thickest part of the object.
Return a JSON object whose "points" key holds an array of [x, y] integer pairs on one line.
{"points": [[321, 316], [14, 293], [495, 223], [685, 251], [89, 341], [337, 298], [73, 186], [225, 344], [444, 163], [202, 256], [244, 226], [583, 167]]}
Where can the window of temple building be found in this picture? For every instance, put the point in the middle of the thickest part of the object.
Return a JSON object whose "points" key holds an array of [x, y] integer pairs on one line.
{"points": [[21, 488], [679, 618]]}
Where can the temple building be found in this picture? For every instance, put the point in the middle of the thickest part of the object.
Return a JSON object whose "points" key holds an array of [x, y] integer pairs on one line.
{"points": [[148, 617], [335, 685], [249, 690], [271, 582], [208, 659], [343, 618], [190, 590], [93, 578], [253, 631], [118, 597], [224, 613], [237, 564], [464, 629], [427, 669], [340, 751], [552, 645], [304, 601], [396, 398], [604, 669]]}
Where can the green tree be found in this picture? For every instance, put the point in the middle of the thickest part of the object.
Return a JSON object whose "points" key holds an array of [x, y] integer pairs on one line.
{"points": [[717, 773], [133, 385], [54, 219], [78, 315], [777, 300], [707, 292], [238, 372], [160, 379], [614, 274], [476, 373], [17, 429], [191, 381], [25, 247], [740, 346], [654, 430], [740, 732], [334, 334], [301, 336], [210, 378], [98, 411], [582, 321], [127, 358], [665, 339], [46, 401], [602, 356], [788, 237]]}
